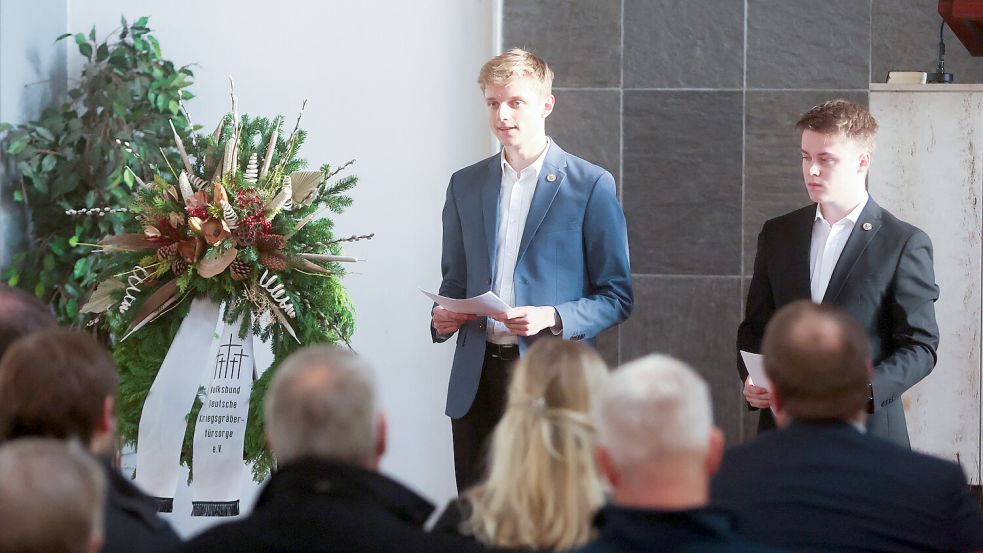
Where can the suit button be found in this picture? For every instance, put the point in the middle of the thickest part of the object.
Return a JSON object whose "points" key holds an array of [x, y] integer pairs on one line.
{"points": [[481, 326]]}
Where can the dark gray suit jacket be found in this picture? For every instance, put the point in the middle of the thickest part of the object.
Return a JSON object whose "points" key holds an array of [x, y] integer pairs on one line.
{"points": [[884, 279]]}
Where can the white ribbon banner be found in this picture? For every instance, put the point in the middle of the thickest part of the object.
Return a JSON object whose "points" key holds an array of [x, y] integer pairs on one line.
{"points": [[162, 421], [221, 427]]}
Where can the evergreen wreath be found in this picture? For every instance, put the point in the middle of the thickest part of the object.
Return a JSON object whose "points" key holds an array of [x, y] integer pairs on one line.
{"points": [[241, 224]]}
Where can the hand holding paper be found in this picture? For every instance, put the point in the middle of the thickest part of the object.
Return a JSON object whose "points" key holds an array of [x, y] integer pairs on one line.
{"points": [[757, 386]]}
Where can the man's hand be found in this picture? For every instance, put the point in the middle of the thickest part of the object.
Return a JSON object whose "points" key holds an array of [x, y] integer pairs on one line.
{"points": [[447, 322], [528, 320], [756, 395]]}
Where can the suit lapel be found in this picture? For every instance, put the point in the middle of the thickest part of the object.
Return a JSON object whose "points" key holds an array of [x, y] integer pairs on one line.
{"points": [[855, 246], [798, 258], [490, 189], [542, 199]]}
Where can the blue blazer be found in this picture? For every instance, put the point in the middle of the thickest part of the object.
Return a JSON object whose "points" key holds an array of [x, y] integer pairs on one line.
{"points": [[573, 256]]}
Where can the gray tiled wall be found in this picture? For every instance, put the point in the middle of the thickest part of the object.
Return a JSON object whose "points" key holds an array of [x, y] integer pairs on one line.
{"points": [[690, 104]]}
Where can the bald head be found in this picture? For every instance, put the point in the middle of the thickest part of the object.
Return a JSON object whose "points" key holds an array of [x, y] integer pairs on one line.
{"points": [[321, 404], [817, 359]]}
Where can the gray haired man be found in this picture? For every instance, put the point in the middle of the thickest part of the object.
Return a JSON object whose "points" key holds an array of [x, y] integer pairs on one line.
{"points": [[658, 447], [328, 435]]}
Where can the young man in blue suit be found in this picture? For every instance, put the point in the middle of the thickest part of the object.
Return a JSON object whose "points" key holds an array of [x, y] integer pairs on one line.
{"points": [[542, 229]]}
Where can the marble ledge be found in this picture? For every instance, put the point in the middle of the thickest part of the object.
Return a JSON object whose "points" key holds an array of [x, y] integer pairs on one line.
{"points": [[930, 87]]}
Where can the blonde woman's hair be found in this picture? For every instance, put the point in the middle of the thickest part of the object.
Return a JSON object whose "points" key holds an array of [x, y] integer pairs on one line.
{"points": [[515, 64], [542, 486]]}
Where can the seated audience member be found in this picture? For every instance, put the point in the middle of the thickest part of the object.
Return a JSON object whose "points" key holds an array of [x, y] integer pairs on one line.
{"points": [[61, 383], [21, 314], [51, 497], [542, 486], [820, 483], [328, 436], [657, 446]]}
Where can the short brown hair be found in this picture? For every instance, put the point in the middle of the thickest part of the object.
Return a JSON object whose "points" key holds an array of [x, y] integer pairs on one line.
{"points": [[54, 383], [816, 357], [21, 314], [841, 116], [516, 64], [51, 497]]}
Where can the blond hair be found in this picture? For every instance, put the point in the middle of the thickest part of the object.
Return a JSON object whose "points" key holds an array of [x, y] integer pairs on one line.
{"points": [[542, 487], [516, 64], [52, 497], [841, 116]]}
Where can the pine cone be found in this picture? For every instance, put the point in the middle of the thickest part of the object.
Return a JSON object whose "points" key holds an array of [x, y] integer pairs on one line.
{"points": [[273, 260], [240, 270], [167, 252], [244, 235], [271, 242], [179, 266]]}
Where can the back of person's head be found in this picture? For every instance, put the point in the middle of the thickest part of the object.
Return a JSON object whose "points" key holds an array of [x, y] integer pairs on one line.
{"points": [[321, 405], [516, 64], [21, 314], [818, 360], [654, 411], [51, 498], [542, 485], [56, 383], [841, 116]]}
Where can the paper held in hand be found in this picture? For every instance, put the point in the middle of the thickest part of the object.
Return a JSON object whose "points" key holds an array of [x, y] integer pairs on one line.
{"points": [[486, 304], [755, 365]]}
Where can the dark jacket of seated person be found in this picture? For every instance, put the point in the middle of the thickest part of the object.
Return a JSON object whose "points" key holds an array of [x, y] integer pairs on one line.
{"points": [[826, 486], [693, 531], [821, 482], [132, 522], [312, 506]]}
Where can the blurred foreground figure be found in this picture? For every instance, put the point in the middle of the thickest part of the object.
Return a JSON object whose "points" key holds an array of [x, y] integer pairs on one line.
{"points": [[658, 448], [51, 498], [328, 436], [60, 383], [822, 482]]}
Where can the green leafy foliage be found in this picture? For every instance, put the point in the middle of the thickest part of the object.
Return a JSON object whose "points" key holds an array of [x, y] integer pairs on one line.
{"points": [[324, 312], [69, 159]]}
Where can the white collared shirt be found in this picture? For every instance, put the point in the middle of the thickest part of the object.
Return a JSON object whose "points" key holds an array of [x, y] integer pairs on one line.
{"points": [[514, 201], [828, 242]]}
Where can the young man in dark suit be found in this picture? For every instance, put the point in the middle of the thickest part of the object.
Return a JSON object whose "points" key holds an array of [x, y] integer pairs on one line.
{"points": [[847, 251], [821, 482]]}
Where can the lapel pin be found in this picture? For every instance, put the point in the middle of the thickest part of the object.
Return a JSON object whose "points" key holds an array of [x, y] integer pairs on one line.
{"points": [[868, 226], [550, 177]]}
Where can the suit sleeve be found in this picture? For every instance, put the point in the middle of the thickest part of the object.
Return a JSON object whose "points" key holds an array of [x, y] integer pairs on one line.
{"points": [[759, 308], [453, 263], [608, 270], [914, 331]]}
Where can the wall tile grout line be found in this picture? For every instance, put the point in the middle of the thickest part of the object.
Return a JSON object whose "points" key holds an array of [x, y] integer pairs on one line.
{"points": [[740, 424], [621, 146]]}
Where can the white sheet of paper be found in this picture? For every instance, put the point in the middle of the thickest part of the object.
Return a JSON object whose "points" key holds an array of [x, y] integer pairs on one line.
{"points": [[755, 365], [486, 304]]}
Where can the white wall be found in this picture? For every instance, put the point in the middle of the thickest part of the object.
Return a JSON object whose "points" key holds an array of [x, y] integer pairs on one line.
{"points": [[392, 84], [32, 76]]}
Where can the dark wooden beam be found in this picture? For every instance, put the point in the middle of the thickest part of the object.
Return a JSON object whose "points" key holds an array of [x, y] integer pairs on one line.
{"points": [[965, 18]]}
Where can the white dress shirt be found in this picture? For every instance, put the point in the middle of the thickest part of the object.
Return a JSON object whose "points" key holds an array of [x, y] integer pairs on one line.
{"points": [[827, 245], [514, 201]]}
